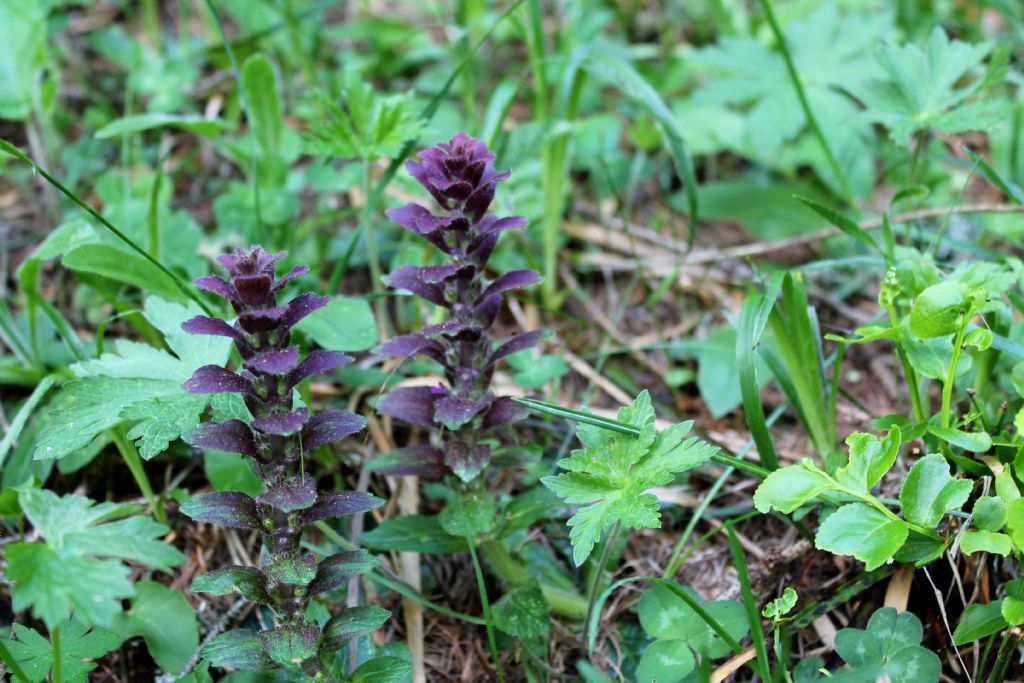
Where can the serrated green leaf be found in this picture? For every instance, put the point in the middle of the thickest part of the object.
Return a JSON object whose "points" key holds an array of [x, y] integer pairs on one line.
{"points": [[862, 531], [790, 487], [79, 645], [137, 384], [614, 470], [979, 621], [78, 566], [165, 621], [929, 491]]}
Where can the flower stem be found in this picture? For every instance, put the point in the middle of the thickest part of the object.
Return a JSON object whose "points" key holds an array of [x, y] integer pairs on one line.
{"points": [[486, 604], [595, 581]]}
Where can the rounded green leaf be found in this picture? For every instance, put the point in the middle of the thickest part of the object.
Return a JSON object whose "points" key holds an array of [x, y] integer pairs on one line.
{"points": [[939, 310], [665, 661]]}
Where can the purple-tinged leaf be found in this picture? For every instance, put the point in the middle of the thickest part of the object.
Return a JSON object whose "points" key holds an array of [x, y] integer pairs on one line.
{"points": [[453, 412], [202, 324], [339, 504], [232, 436], [227, 508], [300, 307], [291, 644], [408, 278], [275, 362], [282, 424], [353, 622], [480, 250], [411, 345], [339, 568], [503, 411], [291, 274], [490, 225], [433, 275], [412, 404], [467, 462], [418, 219], [213, 379], [249, 261], [215, 285], [453, 330], [487, 310], [317, 362], [513, 279], [422, 461], [238, 649], [248, 581], [292, 570], [261, 320], [330, 426], [253, 290], [297, 493], [520, 342]]}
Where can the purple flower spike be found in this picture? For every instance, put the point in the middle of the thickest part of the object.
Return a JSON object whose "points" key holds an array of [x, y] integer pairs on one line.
{"points": [[339, 504], [282, 424], [317, 363], [330, 427], [232, 436], [461, 177], [276, 362]]}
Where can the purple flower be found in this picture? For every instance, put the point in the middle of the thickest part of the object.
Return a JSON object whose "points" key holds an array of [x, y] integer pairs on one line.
{"points": [[461, 177], [276, 438]]}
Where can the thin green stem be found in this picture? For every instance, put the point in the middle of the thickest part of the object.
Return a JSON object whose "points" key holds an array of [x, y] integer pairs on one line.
{"points": [[805, 104], [947, 386], [1006, 648], [602, 563], [191, 294], [486, 605], [131, 458], [55, 644]]}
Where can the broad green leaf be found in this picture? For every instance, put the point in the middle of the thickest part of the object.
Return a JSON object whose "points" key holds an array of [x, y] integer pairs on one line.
{"points": [[78, 565], [613, 472], [1015, 521], [665, 661], [932, 357], [666, 616], [23, 41], [471, 516], [139, 384], [717, 375], [989, 513], [791, 487], [523, 612], [382, 670], [414, 534], [979, 621], [1012, 607], [890, 646], [862, 531], [929, 491], [129, 125], [920, 549], [536, 372], [238, 649], [975, 442], [166, 622], [79, 645], [344, 324], [870, 458], [985, 541], [122, 266], [265, 111], [939, 310]]}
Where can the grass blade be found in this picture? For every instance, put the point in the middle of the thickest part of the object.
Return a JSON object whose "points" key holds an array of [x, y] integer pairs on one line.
{"points": [[753, 613], [19, 421], [748, 335], [577, 416], [844, 223]]}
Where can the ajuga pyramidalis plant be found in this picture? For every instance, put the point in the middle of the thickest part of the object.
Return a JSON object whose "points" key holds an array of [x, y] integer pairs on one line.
{"points": [[460, 175], [276, 436]]}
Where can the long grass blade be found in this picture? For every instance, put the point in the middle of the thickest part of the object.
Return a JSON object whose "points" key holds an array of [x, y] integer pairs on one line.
{"points": [[753, 613], [19, 421]]}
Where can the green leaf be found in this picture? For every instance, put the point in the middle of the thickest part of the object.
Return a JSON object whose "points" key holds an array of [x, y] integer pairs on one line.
{"points": [[666, 616], [890, 646], [165, 621], [382, 670], [975, 442], [791, 487], [78, 567], [414, 534], [79, 645], [841, 221], [1012, 607], [862, 531], [717, 376], [344, 324], [536, 372], [129, 125], [23, 41], [939, 310], [665, 661], [929, 491], [238, 649], [781, 606], [139, 384], [471, 516], [920, 549], [353, 622], [979, 621], [523, 612], [248, 581], [612, 472], [926, 88], [870, 458], [985, 541], [989, 513], [265, 111], [122, 266]]}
